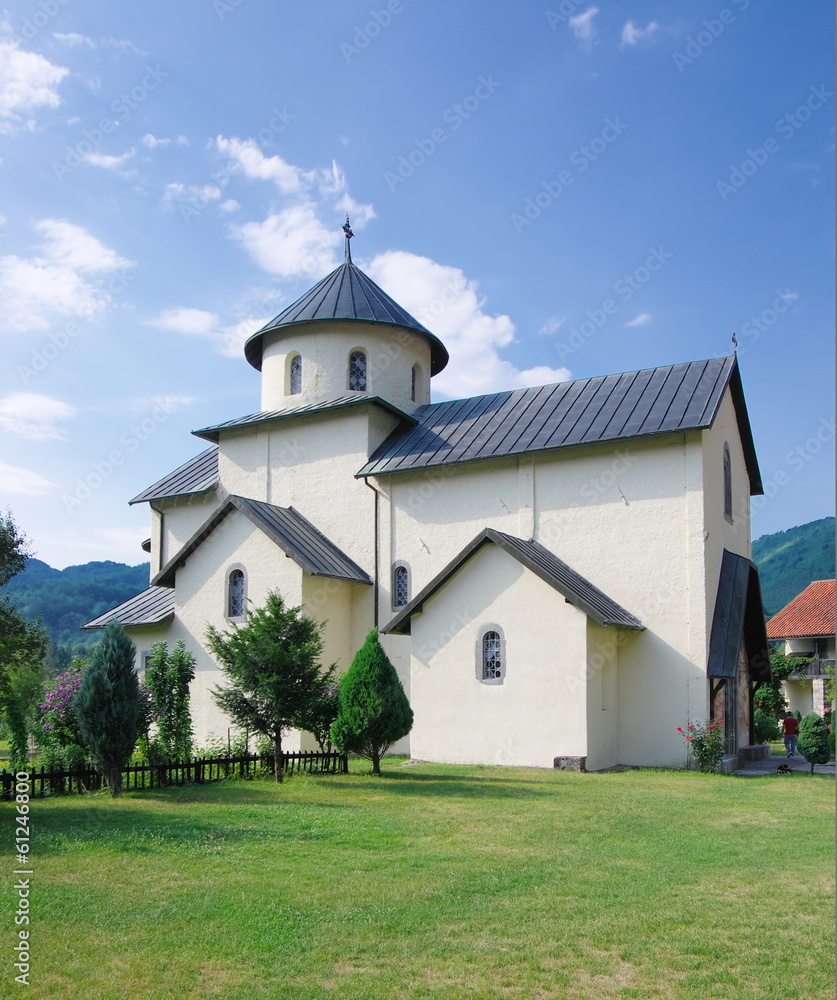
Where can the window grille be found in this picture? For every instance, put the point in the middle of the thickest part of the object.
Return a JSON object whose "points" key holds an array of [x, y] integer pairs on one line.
{"points": [[357, 371], [492, 657], [296, 375], [401, 587], [235, 595]]}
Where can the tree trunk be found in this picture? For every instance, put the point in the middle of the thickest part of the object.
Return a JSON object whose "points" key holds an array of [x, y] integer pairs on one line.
{"points": [[113, 776], [376, 762], [277, 756]]}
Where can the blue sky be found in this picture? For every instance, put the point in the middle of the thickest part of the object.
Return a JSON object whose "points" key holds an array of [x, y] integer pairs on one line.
{"points": [[555, 189]]}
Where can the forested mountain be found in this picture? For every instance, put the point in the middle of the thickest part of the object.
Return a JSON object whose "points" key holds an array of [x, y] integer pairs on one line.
{"points": [[67, 598], [789, 560]]}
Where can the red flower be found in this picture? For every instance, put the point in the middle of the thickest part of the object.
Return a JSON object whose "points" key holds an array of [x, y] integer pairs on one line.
{"points": [[679, 729]]}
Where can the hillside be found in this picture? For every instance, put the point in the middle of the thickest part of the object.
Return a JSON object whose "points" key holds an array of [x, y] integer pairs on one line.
{"points": [[68, 598], [789, 560]]}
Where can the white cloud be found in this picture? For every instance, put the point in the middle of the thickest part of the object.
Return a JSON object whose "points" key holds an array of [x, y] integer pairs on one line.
{"points": [[114, 163], [27, 82], [253, 162], [631, 35], [640, 320], [13, 479], [551, 325], [74, 40], [190, 194], [153, 141], [62, 280], [582, 26], [444, 300], [230, 205], [290, 243], [171, 404], [228, 340], [32, 416]]}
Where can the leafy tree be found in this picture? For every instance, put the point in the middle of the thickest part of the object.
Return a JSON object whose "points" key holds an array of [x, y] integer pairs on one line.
{"points": [[107, 705], [813, 740], [374, 712], [168, 676], [14, 548], [766, 726], [322, 710], [272, 664]]}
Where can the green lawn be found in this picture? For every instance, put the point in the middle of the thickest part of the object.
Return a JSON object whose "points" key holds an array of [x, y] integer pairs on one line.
{"points": [[435, 881]]}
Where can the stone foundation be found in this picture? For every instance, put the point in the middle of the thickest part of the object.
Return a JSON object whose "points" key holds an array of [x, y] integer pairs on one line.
{"points": [[570, 763]]}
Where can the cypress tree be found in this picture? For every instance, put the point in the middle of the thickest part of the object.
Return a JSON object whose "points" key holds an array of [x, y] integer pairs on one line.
{"points": [[373, 708], [107, 705], [813, 740]]}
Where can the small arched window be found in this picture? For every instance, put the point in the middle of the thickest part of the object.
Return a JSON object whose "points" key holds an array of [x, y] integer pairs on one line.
{"points": [[357, 371], [491, 654], [400, 587], [236, 594], [727, 483], [414, 383], [295, 376]]}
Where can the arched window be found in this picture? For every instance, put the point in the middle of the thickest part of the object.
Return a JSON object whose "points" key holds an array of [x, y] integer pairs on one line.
{"points": [[727, 483], [236, 594], [357, 371], [295, 376], [400, 587], [491, 654]]}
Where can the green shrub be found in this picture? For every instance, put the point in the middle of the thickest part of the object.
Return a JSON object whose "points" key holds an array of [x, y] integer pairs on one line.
{"points": [[705, 741], [766, 727], [813, 740]]}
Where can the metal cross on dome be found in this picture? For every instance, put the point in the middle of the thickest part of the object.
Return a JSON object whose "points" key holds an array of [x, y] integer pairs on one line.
{"points": [[347, 232]]}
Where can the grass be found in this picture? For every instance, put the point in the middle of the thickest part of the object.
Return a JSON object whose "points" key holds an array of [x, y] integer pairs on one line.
{"points": [[435, 882]]}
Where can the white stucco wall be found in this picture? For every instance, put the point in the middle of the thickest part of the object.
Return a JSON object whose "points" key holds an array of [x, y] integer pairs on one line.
{"points": [[538, 712], [324, 348], [181, 517]]}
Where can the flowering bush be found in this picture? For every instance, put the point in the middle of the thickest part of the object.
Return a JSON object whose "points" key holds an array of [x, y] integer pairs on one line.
{"points": [[705, 742]]}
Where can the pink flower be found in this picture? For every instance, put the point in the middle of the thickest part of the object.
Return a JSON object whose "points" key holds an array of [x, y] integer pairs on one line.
{"points": [[679, 729]]}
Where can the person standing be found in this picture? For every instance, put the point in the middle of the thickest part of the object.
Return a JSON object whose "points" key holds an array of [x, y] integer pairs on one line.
{"points": [[790, 730]]}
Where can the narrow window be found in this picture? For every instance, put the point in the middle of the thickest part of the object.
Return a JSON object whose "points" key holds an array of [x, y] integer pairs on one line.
{"points": [[235, 594], [727, 484], [414, 383], [492, 657], [357, 371], [400, 587], [295, 375]]}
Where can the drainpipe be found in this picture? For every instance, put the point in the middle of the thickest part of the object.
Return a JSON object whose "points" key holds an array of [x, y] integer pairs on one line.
{"points": [[377, 516]]}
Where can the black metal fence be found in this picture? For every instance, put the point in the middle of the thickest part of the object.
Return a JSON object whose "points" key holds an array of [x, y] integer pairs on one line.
{"points": [[197, 770]]}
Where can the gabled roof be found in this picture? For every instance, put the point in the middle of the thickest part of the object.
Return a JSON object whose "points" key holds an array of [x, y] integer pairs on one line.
{"points": [[151, 607], [585, 411], [574, 587], [197, 475], [213, 433], [292, 532], [347, 294], [809, 614], [738, 615]]}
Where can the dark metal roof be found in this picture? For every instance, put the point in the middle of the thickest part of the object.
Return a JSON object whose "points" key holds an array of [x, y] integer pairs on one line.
{"points": [[213, 433], [739, 613], [577, 590], [347, 294], [151, 607], [585, 411], [293, 533], [197, 475]]}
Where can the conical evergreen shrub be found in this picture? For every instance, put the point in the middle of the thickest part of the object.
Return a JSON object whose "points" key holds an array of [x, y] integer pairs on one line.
{"points": [[107, 705], [374, 712], [813, 740]]}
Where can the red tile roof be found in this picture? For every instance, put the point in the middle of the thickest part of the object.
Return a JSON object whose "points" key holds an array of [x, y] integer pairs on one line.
{"points": [[809, 614]]}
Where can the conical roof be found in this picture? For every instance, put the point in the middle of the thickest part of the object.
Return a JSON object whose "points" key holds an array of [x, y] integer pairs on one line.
{"points": [[348, 295]]}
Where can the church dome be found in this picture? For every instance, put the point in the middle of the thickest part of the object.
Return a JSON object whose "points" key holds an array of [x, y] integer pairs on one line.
{"points": [[346, 295]]}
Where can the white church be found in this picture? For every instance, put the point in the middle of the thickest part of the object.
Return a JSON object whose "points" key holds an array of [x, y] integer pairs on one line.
{"points": [[561, 575]]}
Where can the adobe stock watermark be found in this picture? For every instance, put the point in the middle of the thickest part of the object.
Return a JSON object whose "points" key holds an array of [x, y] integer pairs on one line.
{"points": [[795, 460], [366, 33], [453, 117], [752, 328], [581, 159], [786, 127], [130, 441], [224, 7], [623, 291], [566, 9], [711, 30], [32, 26], [122, 106], [59, 340], [23, 916], [206, 194]]}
